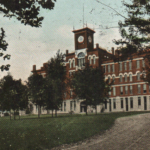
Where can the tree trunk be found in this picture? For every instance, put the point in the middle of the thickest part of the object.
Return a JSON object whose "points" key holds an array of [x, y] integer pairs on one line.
{"points": [[10, 114], [55, 112]]}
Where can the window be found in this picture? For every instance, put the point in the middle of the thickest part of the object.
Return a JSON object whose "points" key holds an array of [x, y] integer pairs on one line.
{"points": [[70, 64], [138, 64], [105, 104], [131, 90], [126, 89], [94, 60], [143, 63], [104, 69], [74, 105], [70, 105], [131, 102], [125, 66], [70, 93], [130, 77], [109, 93], [144, 88], [130, 65], [114, 103], [125, 78], [90, 60], [113, 68], [113, 78], [139, 101], [121, 102], [120, 66], [73, 63], [81, 62], [120, 79], [81, 59], [121, 90], [138, 76], [108, 79], [139, 88], [61, 107], [108, 68], [65, 95], [114, 91], [64, 106]]}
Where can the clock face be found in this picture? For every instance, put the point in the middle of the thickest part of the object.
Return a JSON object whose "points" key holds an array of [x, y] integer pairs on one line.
{"points": [[80, 39], [90, 39]]}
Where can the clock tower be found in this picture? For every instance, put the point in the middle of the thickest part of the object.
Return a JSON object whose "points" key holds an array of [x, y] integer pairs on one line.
{"points": [[84, 38]]}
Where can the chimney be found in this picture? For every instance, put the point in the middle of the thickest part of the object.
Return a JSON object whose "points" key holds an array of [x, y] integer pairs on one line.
{"points": [[97, 45], [67, 52], [34, 67], [113, 51]]}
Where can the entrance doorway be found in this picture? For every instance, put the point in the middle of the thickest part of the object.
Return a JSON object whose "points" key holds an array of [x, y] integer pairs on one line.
{"points": [[127, 107], [110, 105], [145, 103]]}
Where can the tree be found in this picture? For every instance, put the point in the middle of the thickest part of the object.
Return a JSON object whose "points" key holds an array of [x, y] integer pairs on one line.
{"points": [[89, 84], [26, 11], [135, 29], [12, 95], [56, 81], [3, 47], [36, 85]]}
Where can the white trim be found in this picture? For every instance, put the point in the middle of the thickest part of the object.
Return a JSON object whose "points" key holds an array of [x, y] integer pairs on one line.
{"points": [[122, 61], [129, 84]]}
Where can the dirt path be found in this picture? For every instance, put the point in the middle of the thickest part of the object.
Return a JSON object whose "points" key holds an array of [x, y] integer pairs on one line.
{"points": [[128, 133]]}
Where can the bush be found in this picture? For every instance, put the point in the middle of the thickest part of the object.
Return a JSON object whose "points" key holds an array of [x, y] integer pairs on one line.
{"points": [[71, 112]]}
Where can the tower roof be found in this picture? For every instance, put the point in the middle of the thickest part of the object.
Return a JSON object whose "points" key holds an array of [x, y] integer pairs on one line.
{"points": [[83, 29]]}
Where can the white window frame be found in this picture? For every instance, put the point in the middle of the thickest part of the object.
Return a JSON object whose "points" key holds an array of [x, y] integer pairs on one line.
{"points": [[138, 64]]}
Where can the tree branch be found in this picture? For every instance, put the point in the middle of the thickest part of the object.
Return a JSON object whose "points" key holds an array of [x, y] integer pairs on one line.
{"points": [[111, 8]]}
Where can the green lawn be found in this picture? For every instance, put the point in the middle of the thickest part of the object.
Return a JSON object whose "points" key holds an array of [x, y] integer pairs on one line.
{"points": [[31, 133]]}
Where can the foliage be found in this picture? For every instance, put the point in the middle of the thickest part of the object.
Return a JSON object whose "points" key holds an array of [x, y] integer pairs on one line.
{"points": [[26, 11], [13, 94], [36, 85], [3, 47], [56, 81], [89, 84], [135, 29]]}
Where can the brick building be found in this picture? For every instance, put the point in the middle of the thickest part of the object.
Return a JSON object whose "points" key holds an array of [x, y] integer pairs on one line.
{"points": [[129, 92]]}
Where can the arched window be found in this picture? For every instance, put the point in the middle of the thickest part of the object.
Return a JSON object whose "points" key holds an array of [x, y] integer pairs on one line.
{"points": [[130, 77], [113, 78], [94, 61], [138, 76], [73, 63], [70, 65], [90, 62], [125, 78], [120, 78], [81, 59]]}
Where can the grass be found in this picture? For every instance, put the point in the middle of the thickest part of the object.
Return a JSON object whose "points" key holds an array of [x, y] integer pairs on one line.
{"points": [[31, 133]]}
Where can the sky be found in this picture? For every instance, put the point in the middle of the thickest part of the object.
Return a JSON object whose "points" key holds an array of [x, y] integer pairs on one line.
{"points": [[30, 46]]}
